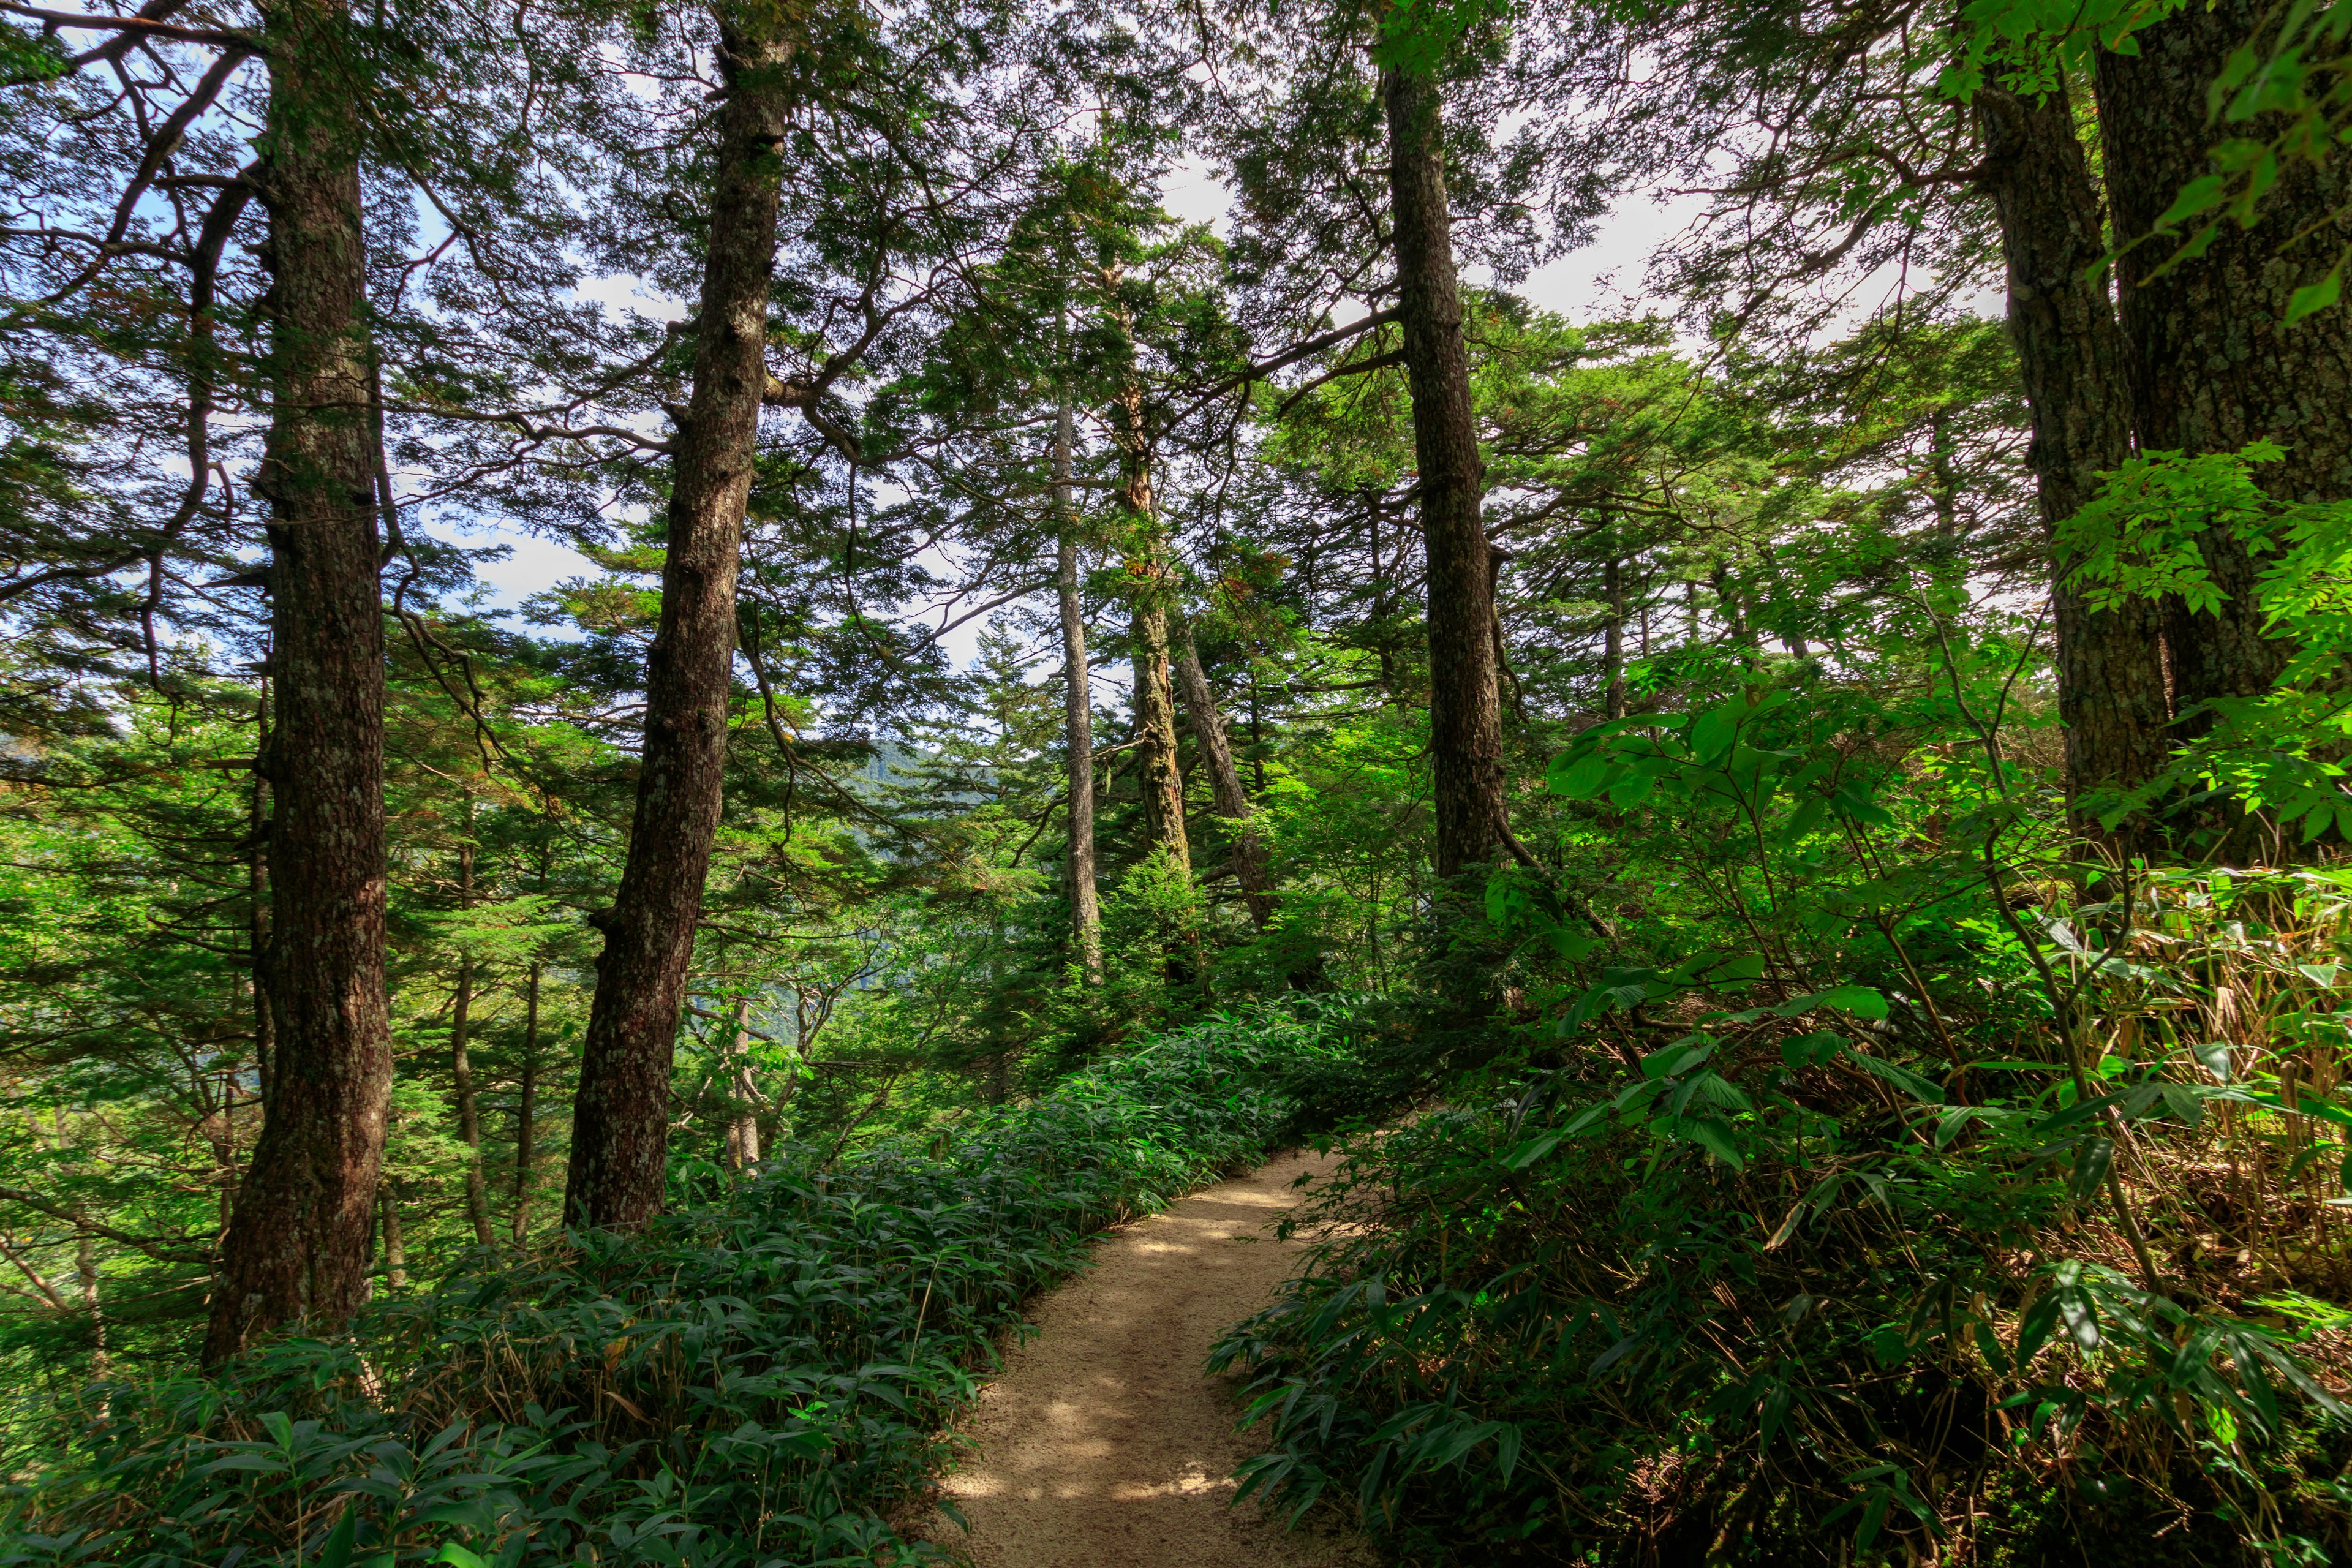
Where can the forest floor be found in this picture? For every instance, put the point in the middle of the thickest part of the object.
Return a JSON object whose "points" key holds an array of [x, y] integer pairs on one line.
{"points": [[1104, 1444]]}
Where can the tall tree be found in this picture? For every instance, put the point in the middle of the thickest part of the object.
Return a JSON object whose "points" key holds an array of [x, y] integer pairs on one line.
{"points": [[1233, 803], [620, 1128], [1151, 583], [2217, 361], [296, 1249], [1465, 717], [461, 1045], [1077, 707], [2075, 366]]}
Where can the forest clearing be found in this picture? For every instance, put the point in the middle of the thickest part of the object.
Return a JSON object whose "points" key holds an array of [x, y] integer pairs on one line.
{"points": [[793, 782]]}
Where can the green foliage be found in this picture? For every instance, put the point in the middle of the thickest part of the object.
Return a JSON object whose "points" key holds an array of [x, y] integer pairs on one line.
{"points": [[757, 1381], [2148, 534], [1803, 1217]]}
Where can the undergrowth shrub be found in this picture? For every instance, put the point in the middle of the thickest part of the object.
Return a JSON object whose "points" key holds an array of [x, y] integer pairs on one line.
{"points": [[1860, 1183], [761, 1380]]}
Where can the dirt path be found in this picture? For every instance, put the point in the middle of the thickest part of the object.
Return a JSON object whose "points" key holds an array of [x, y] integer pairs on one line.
{"points": [[1104, 1444]]}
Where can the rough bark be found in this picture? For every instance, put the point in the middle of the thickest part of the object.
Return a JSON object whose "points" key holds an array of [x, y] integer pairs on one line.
{"points": [[620, 1119], [296, 1248], [1157, 771], [461, 1058], [2111, 691], [1224, 782], [1464, 722], [527, 1106], [1077, 719], [257, 903], [2213, 365]]}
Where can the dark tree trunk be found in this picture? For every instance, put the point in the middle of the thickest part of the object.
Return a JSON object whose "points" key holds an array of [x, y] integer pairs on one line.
{"points": [[461, 1058], [527, 1107], [1224, 782], [620, 1117], [1464, 722], [2213, 365], [1077, 718], [1161, 781], [296, 1252], [2111, 693], [256, 902]]}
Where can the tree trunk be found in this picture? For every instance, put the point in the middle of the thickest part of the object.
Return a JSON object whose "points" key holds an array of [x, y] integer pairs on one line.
{"points": [[1161, 779], [620, 1117], [396, 1247], [256, 902], [1224, 782], [742, 1094], [1613, 650], [86, 1274], [1465, 723], [296, 1248], [2111, 695], [1077, 718], [461, 1060], [527, 1106], [2213, 365]]}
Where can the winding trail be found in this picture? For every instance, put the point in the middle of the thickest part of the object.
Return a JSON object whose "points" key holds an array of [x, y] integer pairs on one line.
{"points": [[1104, 1444]]}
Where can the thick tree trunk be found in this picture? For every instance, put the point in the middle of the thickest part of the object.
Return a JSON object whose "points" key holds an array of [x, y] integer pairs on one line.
{"points": [[1077, 718], [527, 1106], [2213, 365], [296, 1251], [1224, 782], [461, 1060], [1465, 723], [1162, 780], [2111, 693], [620, 1117]]}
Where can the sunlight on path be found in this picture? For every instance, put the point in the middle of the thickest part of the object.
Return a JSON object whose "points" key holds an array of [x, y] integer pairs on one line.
{"points": [[1104, 1445]]}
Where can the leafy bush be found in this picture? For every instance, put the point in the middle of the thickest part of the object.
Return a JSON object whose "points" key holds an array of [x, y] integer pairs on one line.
{"points": [[1866, 1183], [761, 1380]]}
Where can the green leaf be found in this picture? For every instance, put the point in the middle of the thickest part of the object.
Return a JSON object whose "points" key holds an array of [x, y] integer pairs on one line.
{"points": [[1572, 946], [1774, 1410], [457, 1556], [2314, 297], [1715, 1137], [2091, 1162], [1811, 1050], [1805, 818], [2195, 197], [1534, 1149], [1632, 790], [1581, 779], [1712, 732], [337, 1554], [1743, 966], [1859, 1001], [1909, 1082]]}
